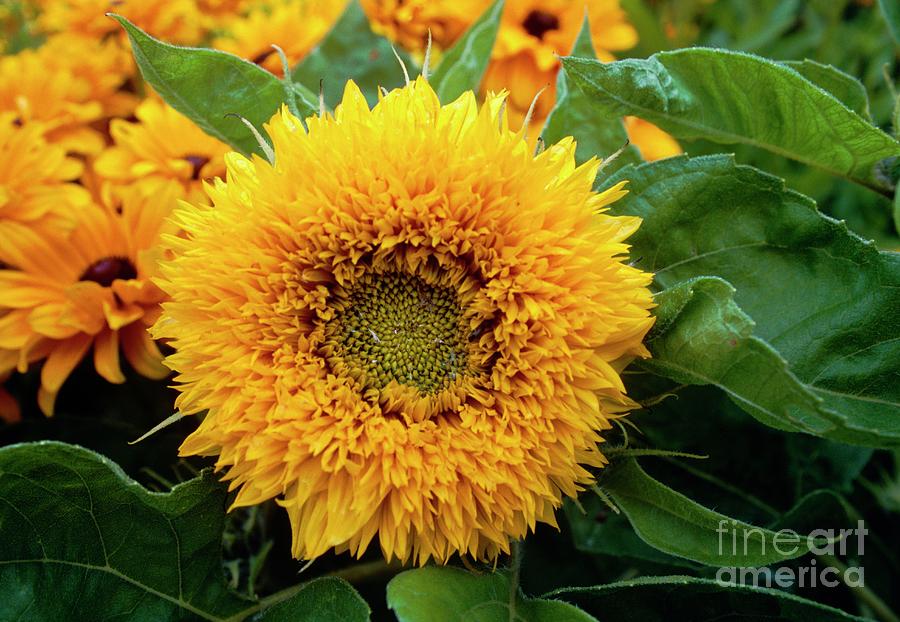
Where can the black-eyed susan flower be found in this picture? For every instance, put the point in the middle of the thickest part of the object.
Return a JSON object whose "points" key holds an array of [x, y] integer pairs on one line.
{"points": [[408, 327], [64, 294], [162, 145], [36, 180], [294, 25]]}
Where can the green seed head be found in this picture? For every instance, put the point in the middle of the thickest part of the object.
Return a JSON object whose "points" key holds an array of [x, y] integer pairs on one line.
{"points": [[395, 326]]}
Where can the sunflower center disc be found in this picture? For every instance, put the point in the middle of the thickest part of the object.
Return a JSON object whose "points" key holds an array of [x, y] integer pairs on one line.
{"points": [[395, 326]]}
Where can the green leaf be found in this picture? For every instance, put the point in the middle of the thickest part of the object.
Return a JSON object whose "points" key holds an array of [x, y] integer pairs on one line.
{"points": [[731, 97], [208, 85], [674, 524], [79, 537], [824, 299], [891, 11], [596, 133], [600, 531], [897, 209], [647, 21], [702, 337], [433, 594], [699, 600], [463, 66], [326, 599], [847, 89], [351, 51]]}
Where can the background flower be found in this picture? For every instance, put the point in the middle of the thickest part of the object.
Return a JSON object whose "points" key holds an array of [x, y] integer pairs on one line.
{"points": [[64, 293]]}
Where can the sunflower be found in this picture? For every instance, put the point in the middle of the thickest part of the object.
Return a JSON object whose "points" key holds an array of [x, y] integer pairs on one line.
{"points": [[161, 145], [55, 97], [533, 35], [294, 25], [423, 344], [36, 178], [178, 21], [408, 22], [63, 293], [105, 65]]}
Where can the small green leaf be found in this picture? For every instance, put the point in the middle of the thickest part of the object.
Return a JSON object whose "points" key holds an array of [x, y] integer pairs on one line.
{"points": [[700, 600], [731, 97], [351, 51], [463, 66], [80, 537], [669, 521], [600, 531], [596, 133], [327, 599], [208, 85], [822, 298], [844, 87], [433, 594]]}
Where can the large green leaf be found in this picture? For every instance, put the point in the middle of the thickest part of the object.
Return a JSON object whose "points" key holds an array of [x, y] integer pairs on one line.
{"points": [[844, 87], [433, 594], [208, 86], [698, 600], [463, 66], [823, 298], [672, 523], [731, 97], [81, 539], [351, 51], [327, 599], [597, 133], [702, 337]]}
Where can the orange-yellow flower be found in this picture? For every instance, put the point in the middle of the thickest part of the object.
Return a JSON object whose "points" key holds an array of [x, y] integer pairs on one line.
{"points": [[63, 294], [162, 145], [294, 25], [36, 178], [56, 98], [177, 21], [423, 345], [408, 21], [651, 141], [533, 35]]}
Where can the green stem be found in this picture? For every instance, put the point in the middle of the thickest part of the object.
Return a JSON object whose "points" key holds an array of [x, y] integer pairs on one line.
{"points": [[863, 593], [515, 567]]}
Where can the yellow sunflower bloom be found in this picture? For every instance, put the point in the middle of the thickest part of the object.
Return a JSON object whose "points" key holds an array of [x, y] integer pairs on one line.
{"points": [[295, 26], [63, 294], [423, 344], [177, 21], [36, 178], [162, 145], [56, 98], [533, 35], [408, 22]]}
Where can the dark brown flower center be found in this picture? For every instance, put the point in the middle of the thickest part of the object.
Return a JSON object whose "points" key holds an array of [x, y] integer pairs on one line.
{"points": [[108, 269], [197, 162], [538, 23]]}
